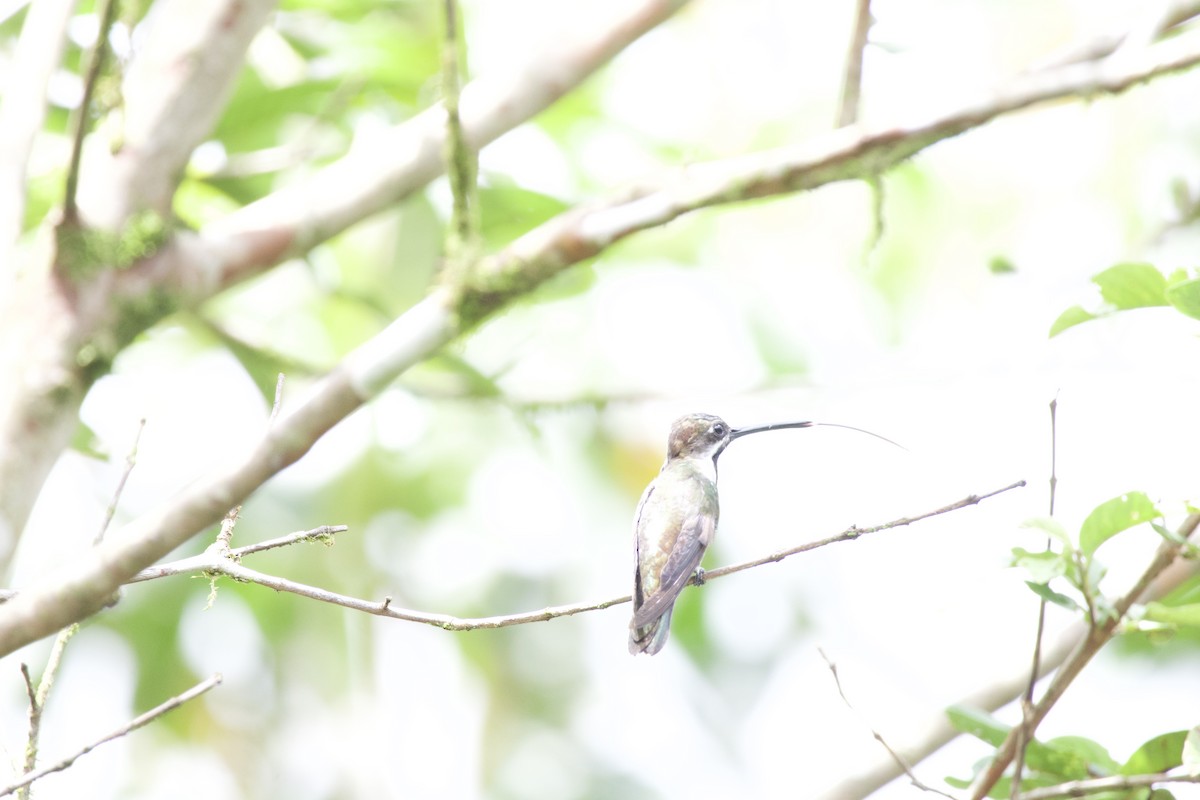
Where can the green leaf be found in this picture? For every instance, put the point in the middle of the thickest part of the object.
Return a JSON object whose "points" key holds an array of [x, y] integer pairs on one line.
{"points": [[1042, 567], [1050, 596], [1075, 315], [1113, 516], [1185, 297], [1159, 754], [1182, 616], [981, 725], [1132, 286], [1093, 753], [1051, 527]]}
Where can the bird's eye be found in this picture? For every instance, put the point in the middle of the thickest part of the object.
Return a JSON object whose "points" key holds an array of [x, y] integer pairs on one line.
{"points": [[719, 429]]}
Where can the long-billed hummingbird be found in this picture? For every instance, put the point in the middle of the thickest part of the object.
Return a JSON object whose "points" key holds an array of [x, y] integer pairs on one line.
{"points": [[677, 518]]}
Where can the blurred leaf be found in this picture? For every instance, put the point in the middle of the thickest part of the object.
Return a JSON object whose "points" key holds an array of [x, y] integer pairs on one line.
{"points": [[1190, 756], [1000, 265], [255, 115], [84, 441], [198, 202], [981, 725], [1113, 516], [1073, 316], [1096, 756], [1050, 596], [262, 365], [1185, 615], [1052, 527], [1185, 297], [387, 50], [1042, 567], [1068, 759], [507, 212], [1128, 286], [1156, 755]]}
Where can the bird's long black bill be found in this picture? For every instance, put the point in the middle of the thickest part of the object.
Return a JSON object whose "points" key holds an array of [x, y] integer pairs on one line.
{"points": [[772, 426], [775, 426]]}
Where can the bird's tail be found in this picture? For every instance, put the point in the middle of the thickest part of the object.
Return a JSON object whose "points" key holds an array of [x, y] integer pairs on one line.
{"points": [[649, 639]]}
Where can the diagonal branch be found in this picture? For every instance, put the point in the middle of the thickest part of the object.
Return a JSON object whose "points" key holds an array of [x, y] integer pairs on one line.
{"points": [[129, 727], [81, 587], [845, 154], [1096, 638], [376, 175]]}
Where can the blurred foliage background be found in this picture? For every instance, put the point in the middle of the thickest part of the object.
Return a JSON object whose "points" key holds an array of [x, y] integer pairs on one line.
{"points": [[501, 476]]}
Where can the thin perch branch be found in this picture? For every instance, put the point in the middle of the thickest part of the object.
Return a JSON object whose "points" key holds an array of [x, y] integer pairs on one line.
{"points": [[128, 727], [214, 564]]}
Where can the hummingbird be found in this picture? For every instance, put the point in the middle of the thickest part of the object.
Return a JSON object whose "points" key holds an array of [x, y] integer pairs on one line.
{"points": [[676, 520]]}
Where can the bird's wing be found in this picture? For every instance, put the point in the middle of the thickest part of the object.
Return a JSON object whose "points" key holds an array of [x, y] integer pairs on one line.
{"points": [[694, 536]]}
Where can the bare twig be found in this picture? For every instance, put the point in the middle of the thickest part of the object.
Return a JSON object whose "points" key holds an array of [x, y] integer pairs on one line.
{"points": [[214, 564], [853, 72], [1097, 636], [1035, 669], [38, 698], [460, 158], [899, 759], [205, 561], [278, 402], [129, 727], [130, 462], [1112, 783], [70, 212]]}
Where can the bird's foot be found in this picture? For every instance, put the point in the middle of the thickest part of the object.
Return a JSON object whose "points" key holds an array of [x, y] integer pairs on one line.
{"points": [[699, 578]]}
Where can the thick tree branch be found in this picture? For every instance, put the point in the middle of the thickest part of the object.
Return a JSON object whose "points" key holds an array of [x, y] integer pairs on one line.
{"points": [[845, 154], [64, 321]]}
